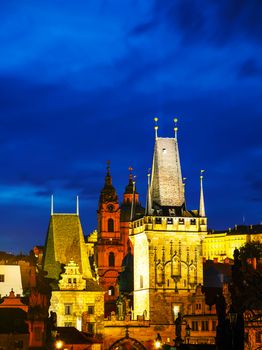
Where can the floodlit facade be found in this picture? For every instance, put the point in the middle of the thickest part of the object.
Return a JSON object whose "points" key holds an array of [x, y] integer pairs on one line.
{"points": [[79, 302], [167, 241], [10, 279]]}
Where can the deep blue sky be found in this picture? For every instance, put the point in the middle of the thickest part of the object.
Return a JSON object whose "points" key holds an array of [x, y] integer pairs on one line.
{"points": [[81, 81]]}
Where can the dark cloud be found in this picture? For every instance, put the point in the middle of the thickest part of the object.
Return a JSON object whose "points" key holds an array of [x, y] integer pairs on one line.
{"points": [[249, 68]]}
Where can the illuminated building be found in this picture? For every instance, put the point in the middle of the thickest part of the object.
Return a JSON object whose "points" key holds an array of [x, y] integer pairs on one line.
{"points": [[65, 242], [220, 245], [79, 302], [112, 236], [167, 241]]}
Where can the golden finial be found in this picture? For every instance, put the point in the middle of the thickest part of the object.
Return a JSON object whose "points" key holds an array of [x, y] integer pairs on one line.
{"points": [[175, 128], [156, 126], [201, 173]]}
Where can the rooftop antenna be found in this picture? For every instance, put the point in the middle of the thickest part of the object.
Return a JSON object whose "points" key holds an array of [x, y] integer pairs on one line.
{"points": [[52, 204], [77, 205], [156, 127], [175, 128]]}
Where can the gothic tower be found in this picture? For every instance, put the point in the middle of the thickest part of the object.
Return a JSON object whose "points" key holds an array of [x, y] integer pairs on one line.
{"points": [[167, 241], [109, 249], [65, 242]]}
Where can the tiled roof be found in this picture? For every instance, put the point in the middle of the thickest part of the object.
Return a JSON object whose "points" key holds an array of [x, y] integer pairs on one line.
{"points": [[65, 242], [166, 184]]}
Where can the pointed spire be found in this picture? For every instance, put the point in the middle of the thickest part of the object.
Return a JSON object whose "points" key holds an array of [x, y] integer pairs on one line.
{"points": [[133, 200], [202, 212], [156, 127], [52, 204], [77, 205], [175, 128], [148, 200]]}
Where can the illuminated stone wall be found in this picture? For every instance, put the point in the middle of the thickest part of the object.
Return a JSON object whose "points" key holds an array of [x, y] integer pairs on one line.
{"points": [[169, 257], [222, 245]]}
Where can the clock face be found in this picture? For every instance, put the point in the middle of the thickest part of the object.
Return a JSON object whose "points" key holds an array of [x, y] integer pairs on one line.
{"points": [[110, 208]]}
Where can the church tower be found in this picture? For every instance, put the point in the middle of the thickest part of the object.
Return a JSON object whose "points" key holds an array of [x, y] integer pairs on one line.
{"points": [[109, 249], [167, 241], [131, 209]]}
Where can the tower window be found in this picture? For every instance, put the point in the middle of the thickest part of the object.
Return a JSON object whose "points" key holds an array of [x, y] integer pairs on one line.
{"points": [[2, 278], [141, 281], [68, 309], [169, 221], [111, 291], [111, 259], [158, 221], [110, 225]]}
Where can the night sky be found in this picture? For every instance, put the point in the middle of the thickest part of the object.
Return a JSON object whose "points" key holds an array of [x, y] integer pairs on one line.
{"points": [[80, 84]]}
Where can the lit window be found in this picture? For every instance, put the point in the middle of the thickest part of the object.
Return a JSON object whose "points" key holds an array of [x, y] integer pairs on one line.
{"points": [[68, 309], [176, 309], [111, 291], [2, 278]]}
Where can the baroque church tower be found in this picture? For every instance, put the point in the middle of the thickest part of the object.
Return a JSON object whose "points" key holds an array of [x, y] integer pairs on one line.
{"points": [[109, 249], [167, 241]]}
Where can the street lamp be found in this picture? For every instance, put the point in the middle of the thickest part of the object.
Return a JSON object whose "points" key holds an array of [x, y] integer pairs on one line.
{"points": [[59, 344], [158, 341], [188, 329]]}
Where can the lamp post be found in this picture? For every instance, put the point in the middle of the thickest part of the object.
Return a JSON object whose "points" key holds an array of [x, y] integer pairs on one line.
{"points": [[158, 342], [59, 344], [188, 330]]}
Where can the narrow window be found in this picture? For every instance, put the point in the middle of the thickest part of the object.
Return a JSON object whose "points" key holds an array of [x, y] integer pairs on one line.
{"points": [[2, 278], [110, 225], [111, 259], [111, 291], [141, 281], [74, 280], [90, 328], [69, 280], [68, 309], [90, 309], [214, 325]]}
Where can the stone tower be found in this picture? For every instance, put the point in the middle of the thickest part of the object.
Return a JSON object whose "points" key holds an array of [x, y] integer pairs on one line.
{"points": [[65, 242], [167, 241], [109, 248]]}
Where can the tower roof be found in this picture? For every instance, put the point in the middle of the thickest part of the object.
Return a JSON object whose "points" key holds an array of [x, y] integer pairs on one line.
{"points": [[166, 183], [108, 193], [64, 242]]}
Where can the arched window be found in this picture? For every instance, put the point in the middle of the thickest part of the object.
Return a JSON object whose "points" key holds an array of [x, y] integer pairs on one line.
{"points": [[110, 225], [111, 290], [111, 259]]}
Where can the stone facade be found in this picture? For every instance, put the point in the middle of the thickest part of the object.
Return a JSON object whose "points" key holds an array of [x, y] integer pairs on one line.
{"points": [[78, 303]]}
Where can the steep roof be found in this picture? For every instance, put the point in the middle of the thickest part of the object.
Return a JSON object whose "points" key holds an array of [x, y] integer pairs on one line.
{"points": [[65, 242], [166, 183]]}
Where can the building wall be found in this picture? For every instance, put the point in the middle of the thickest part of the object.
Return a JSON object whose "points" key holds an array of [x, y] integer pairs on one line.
{"points": [[10, 278], [222, 245], [78, 316], [167, 257]]}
